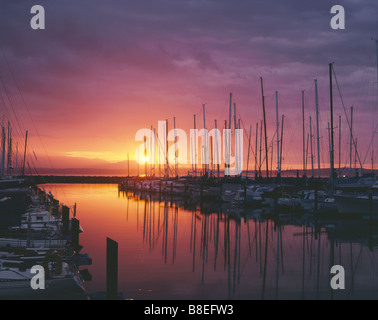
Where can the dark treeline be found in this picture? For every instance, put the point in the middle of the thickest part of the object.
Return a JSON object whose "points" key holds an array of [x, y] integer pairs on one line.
{"points": [[75, 179], [285, 182]]}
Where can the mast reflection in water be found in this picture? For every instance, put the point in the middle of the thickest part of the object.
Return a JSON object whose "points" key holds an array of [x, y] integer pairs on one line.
{"points": [[175, 250]]}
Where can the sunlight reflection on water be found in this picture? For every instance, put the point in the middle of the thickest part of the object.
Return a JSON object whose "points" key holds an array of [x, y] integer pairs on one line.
{"points": [[170, 250]]}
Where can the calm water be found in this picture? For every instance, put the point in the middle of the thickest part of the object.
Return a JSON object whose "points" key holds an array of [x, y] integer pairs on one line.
{"points": [[168, 252]]}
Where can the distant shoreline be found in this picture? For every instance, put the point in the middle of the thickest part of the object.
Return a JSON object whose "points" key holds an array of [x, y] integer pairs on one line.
{"points": [[77, 179]]}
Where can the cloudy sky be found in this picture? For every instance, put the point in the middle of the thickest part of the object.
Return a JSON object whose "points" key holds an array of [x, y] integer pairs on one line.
{"points": [[101, 70]]}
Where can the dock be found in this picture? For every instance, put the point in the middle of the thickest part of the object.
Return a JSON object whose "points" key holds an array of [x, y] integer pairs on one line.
{"points": [[44, 234]]}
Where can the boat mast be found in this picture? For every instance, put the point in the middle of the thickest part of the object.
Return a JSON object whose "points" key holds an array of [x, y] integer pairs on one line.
{"points": [[239, 149], [266, 138], [195, 146], [308, 136], [331, 111], [230, 112], [355, 158], [329, 142], [260, 161], [312, 157], [157, 137], [351, 140], [10, 165], [278, 139], [317, 124], [372, 151], [228, 138], [3, 149], [211, 155], [151, 157], [249, 147], [217, 147], [176, 153], [257, 132], [8, 154], [26, 141], [303, 137], [16, 160], [154, 153], [339, 145], [206, 145], [225, 151], [282, 124], [166, 150], [236, 144], [145, 155]]}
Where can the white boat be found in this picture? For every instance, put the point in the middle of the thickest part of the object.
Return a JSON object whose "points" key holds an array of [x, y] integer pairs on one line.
{"points": [[229, 195], [38, 221], [15, 280], [252, 196], [287, 203], [34, 243], [229, 191], [264, 192], [326, 204]]}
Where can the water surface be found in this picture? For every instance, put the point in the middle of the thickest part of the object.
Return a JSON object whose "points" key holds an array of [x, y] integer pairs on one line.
{"points": [[167, 251]]}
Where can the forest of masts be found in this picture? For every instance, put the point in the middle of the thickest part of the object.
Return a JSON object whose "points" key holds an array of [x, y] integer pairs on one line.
{"points": [[210, 147]]}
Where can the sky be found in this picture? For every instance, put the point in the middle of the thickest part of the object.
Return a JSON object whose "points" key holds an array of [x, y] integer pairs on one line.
{"points": [[102, 70]]}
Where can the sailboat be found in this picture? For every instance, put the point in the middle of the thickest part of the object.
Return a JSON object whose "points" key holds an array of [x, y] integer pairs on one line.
{"points": [[360, 196], [16, 276]]}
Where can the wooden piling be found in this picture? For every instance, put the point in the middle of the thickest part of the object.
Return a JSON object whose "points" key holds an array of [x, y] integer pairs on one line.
{"points": [[111, 269]]}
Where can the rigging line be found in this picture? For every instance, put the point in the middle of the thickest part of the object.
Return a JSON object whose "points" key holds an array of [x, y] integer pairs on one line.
{"points": [[26, 106], [17, 117], [16, 139], [6, 112], [246, 135], [21, 130], [270, 144], [14, 111], [6, 109], [245, 131], [307, 97], [371, 141], [342, 102], [10, 103]]}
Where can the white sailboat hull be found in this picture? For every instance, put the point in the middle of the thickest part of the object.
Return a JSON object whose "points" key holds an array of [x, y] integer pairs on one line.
{"points": [[55, 287]]}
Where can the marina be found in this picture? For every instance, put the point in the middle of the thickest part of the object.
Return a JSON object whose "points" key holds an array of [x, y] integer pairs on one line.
{"points": [[290, 195], [44, 236], [172, 249], [188, 150], [216, 232]]}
